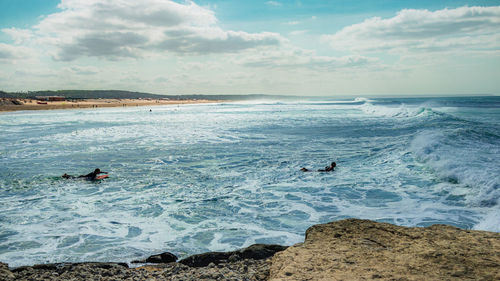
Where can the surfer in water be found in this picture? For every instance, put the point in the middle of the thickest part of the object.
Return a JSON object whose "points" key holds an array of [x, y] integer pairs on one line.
{"points": [[66, 176], [329, 169], [90, 176], [326, 169]]}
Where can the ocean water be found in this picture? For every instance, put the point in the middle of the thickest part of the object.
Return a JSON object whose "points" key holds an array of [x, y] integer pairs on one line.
{"points": [[194, 178]]}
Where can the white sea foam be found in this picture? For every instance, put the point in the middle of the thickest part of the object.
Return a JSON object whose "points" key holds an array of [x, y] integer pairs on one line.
{"points": [[362, 99], [219, 177], [490, 221], [459, 156], [401, 111]]}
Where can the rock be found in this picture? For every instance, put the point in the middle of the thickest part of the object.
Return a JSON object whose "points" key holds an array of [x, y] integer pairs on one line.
{"points": [[201, 260], [258, 251], [165, 257], [63, 267], [254, 270], [360, 249], [162, 258], [5, 273], [255, 252]]}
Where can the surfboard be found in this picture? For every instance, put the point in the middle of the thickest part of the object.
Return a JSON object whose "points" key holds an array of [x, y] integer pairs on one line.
{"points": [[101, 177]]}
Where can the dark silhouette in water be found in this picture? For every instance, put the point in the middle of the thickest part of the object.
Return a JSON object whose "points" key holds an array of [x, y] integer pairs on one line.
{"points": [[329, 169], [326, 169], [90, 176], [66, 176]]}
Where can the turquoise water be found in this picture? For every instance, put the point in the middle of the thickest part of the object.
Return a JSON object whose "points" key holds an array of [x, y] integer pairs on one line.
{"points": [[217, 177]]}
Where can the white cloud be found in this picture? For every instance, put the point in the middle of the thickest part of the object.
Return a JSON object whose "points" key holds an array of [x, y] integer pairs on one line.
{"points": [[133, 29], [179, 47], [161, 79], [19, 36], [35, 73], [464, 29], [274, 3], [295, 58], [13, 54], [195, 40], [83, 70]]}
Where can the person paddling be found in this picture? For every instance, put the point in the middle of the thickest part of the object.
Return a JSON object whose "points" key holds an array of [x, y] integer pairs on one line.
{"points": [[93, 175], [90, 176], [326, 169], [329, 169]]}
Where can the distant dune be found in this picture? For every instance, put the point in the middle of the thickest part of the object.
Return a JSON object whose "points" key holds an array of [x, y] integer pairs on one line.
{"points": [[115, 94]]}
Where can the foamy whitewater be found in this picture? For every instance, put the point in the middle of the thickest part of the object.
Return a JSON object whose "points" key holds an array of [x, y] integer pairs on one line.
{"points": [[195, 178]]}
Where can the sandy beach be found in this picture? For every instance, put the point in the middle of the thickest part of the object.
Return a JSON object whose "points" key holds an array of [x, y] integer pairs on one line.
{"points": [[31, 104]]}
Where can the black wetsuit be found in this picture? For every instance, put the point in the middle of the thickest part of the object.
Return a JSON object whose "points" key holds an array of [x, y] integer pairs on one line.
{"points": [[328, 169], [93, 175], [90, 176]]}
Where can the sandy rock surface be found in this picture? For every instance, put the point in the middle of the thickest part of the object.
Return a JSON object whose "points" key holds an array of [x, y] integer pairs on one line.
{"points": [[365, 250]]}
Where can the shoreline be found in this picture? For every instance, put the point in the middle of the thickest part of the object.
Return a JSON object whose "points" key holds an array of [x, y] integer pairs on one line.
{"points": [[350, 249], [8, 105]]}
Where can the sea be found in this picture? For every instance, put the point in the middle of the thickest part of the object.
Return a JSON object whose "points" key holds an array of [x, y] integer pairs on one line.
{"points": [[194, 178]]}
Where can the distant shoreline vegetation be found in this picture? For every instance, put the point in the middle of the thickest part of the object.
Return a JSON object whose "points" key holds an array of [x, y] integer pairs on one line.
{"points": [[116, 94]]}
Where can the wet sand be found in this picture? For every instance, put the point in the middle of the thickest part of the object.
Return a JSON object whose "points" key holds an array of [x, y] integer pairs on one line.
{"points": [[30, 104]]}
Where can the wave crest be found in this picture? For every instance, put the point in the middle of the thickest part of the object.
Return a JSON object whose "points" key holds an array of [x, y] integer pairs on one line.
{"points": [[403, 111], [459, 156]]}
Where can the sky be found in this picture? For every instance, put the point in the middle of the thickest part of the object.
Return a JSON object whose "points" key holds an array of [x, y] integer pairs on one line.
{"points": [[298, 47]]}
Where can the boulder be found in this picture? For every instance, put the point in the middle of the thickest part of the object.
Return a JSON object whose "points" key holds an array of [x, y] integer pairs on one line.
{"points": [[165, 257], [256, 252], [202, 260]]}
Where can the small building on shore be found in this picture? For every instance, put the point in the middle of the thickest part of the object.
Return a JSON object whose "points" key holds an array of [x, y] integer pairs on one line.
{"points": [[51, 98]]}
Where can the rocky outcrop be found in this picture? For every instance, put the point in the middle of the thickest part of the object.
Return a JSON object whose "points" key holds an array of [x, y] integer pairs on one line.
{"points": [[255, 252], [251, 263], [68, 271], [360, 249], [247, 269], [161, 258]]}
